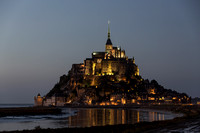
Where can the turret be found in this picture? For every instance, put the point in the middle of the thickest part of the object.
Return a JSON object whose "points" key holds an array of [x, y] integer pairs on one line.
{"points": [[38, 100]]}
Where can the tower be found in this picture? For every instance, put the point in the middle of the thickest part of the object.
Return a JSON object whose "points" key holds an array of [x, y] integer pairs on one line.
{"points": [[109, 46]]}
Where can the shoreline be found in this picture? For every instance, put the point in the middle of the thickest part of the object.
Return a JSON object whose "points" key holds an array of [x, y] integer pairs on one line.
{"points": [[191, 114]]}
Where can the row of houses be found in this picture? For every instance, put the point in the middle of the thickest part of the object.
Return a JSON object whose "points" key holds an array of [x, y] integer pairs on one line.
{"points": [[55, 100], [115, 99]]}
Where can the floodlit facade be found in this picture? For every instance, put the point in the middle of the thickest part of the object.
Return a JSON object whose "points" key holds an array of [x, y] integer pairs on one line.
{"points": [[112, 61], [107, 78]]}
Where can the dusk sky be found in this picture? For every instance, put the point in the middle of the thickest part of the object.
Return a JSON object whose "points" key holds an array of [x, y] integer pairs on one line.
{"points": [[40, 40]]}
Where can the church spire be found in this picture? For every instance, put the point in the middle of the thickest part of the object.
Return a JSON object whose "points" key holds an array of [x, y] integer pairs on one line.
{"points": [[108, 40], [108, 29]]}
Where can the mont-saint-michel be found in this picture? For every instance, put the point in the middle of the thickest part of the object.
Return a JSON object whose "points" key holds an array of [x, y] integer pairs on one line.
{"points": [[108, 78]]}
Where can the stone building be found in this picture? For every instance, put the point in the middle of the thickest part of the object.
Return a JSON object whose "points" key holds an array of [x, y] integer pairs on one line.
{"points": [[56, 100], [113, 61]]}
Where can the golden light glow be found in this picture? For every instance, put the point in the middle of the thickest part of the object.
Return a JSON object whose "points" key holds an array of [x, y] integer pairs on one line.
{"points": [[107, 103], [152, 91], [69, 101], [139, 98], [111, 99], [102, 104], [109, 71], [123, 100], [138, 116], [174, 98], [133, 101], [90, 101], [93, 68], [151, 98]]}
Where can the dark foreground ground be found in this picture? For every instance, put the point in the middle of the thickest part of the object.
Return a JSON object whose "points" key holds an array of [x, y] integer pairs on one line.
{"points": [[20, 111], [190, 122]]}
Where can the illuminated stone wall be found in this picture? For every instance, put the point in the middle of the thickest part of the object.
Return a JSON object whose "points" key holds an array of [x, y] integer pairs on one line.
{"points": [[109, 48]]}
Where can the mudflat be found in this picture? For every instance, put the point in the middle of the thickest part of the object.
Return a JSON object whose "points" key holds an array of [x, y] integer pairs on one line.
{"points": [[189, 122]]}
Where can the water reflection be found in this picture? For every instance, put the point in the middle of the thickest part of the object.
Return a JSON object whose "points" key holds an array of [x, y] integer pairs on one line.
{"points": [[102, 117], [83, 118]]}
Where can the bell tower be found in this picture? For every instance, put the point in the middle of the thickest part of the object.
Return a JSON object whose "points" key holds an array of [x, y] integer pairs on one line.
{"points": [[109, 46]]}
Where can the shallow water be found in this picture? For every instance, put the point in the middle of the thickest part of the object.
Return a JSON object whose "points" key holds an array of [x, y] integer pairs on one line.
{"points": [[15, 105], [83, 117]]}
